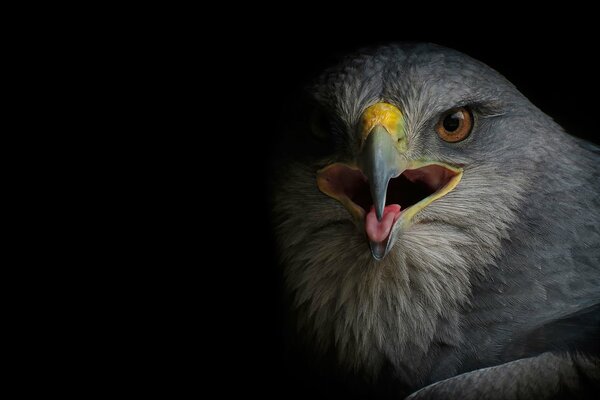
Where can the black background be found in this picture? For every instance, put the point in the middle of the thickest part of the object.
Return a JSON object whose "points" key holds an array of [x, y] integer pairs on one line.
{"points": [[553, 69]]}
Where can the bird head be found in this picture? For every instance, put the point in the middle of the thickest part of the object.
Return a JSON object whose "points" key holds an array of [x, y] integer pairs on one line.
{"points": [[412, 170]]}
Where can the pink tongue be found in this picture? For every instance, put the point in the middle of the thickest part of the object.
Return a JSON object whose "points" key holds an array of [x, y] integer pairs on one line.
{"points": [[378, 231]]}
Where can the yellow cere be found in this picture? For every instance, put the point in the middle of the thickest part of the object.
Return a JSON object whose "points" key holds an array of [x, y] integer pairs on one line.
{"points": [[383, 114]]}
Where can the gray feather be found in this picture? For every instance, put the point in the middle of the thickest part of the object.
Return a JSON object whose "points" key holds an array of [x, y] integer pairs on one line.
{"points": [[545, 377]]}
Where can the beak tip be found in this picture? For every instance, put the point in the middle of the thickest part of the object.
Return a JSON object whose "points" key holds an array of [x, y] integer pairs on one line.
{"points": [[379, 210], [378, 250]]}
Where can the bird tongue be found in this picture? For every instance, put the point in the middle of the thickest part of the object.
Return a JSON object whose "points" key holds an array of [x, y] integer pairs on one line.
{"points": [[378, 231]]}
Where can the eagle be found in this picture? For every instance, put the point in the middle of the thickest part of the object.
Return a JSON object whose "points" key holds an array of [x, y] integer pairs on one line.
{"points": [[437, 228]]}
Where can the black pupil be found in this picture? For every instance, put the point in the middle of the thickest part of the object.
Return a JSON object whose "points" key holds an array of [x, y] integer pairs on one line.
{"points": [[452, 121]]}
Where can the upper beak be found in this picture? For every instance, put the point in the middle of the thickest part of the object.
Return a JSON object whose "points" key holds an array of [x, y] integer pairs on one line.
{"points": [[380, 161]]}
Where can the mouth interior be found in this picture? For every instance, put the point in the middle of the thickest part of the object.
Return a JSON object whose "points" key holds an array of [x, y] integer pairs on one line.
{"points": [[406, 190]]}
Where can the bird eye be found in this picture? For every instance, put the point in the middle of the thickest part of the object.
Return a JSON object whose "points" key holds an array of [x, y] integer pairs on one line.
{"points": [[455, 125], [320, 125]]}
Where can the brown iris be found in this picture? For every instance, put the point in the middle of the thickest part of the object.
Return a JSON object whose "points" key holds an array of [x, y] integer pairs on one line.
{"points": [[455, 125]]}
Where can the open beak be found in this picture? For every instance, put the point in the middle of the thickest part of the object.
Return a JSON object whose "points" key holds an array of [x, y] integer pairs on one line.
{"points": [[380, 162], [384, 189]]}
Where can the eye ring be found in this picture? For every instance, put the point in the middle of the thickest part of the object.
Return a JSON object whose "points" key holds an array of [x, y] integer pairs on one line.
{"points": [[455, 125]]}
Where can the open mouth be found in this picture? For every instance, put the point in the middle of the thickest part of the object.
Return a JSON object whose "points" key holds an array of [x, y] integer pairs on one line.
{"points": [[406, 194]]}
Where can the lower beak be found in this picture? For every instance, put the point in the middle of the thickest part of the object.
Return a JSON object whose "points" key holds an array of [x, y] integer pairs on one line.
{"points": [[380, 161]]}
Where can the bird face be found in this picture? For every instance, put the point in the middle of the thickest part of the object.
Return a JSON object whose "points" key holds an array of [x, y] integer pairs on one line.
{"points": [[383, 189], [401, 189]]}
